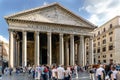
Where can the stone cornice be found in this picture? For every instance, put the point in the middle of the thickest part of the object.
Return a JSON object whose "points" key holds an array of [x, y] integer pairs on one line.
{"points": [[46, 23], [50, 28]]}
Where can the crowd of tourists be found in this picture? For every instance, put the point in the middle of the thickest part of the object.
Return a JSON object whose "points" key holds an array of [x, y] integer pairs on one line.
{"points": [[54, 72], [46, 72], [109, 71]]}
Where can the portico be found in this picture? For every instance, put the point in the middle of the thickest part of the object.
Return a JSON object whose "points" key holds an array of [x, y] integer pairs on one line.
{"points": [[40, 41]]}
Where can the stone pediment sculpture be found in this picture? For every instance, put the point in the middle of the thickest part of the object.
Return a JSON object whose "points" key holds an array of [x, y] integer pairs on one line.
{"points": [[52, 13]]}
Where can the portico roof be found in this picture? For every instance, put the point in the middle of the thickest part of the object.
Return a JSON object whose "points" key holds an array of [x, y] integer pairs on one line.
{"points": [[52, 13]]}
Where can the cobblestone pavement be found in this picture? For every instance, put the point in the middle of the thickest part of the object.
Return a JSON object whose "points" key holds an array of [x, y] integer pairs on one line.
{"points": [[82, 76]]}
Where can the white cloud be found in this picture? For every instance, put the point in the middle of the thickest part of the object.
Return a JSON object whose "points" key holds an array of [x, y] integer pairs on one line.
{"points": [[45, 3], [3, 39], [101, 10], [94, 19]]}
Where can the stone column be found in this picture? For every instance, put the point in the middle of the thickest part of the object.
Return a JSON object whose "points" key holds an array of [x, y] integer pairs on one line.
{"points": [[36, 48], [11, 56], [61, 49], [91, 51], [72, 56], [81, 51], [18, 48], [67, 52], [78, 54], [24, 49], [49, 49], [16, 53], [75, 51]]}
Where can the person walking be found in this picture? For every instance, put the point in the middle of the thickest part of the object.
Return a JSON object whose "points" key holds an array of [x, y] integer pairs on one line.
{"points": [[92, 72]]}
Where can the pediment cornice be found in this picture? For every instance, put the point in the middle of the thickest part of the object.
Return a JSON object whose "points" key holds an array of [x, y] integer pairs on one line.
{"points": [[47, 6], [12, 21]]}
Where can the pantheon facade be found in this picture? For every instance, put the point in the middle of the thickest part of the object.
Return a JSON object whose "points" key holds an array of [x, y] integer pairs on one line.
{"points": [[48, 34]]}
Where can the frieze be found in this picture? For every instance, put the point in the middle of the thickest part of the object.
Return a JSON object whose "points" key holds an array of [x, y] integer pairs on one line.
{"points": [[49, 28]]}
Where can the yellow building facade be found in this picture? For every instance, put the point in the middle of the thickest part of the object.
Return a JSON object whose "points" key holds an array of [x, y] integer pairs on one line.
{"points": [[106, 42]]}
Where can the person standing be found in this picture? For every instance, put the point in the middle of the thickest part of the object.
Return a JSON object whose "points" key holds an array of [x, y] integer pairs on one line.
{"points": [[76, 70], [99, 72], [118, 75], [54, 73], [37, 73], [10, 70], [113, 73], [60, 73], [67, 73]]}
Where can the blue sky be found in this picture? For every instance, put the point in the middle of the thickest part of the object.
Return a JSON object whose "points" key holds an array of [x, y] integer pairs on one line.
{"points": [[96, 11]]}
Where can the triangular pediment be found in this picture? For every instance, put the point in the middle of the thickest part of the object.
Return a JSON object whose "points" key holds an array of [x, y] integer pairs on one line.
{"points": [[53, 13]]}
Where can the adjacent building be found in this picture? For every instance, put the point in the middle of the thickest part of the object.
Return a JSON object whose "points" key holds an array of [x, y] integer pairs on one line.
{"points": [[106, 42], [48, 34], [4, 51]]}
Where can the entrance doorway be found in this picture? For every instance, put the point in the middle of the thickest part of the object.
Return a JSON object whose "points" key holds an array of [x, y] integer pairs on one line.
{"points": [[44, 56]]}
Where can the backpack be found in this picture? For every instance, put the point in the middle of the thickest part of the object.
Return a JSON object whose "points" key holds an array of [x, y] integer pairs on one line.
{"points": [[45, 70], [92, 71]]}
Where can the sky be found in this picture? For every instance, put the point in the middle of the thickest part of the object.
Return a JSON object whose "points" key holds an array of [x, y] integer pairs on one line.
{"points": [[96, 11]]}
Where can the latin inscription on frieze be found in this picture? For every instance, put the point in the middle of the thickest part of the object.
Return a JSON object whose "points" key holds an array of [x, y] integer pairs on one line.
{"points": [[57, 29]]}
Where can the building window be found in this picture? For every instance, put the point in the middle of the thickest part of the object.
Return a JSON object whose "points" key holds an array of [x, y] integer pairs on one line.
{"points": [[104, 30], [104, 49], [98, 50], [94, 35], [98, 61], [111, 60], [104, 61], [110, 55], [98, 43], [104, 56], [98, 56], [104, 36], [86, 53], [87, 47], [110, 33], [87, 43], [110, 39], [98, 32], [94, 50], [111, 47], [98, 38], [110, 26], [104, 41]]}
